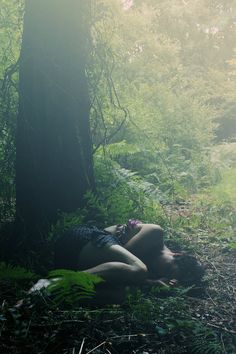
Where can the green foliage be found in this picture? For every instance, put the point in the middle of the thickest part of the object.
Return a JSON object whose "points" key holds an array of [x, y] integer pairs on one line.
{"points": [[64, 222], [167, 115], [120, 195], [206, 220], [124, 193], [68, 287], [11, 16], [205, 340], [225, 190], [12, 273], [162, 76], [172, 321], [94, 213], [121, 149], [223, 157], [152, 52], [154, 101]]}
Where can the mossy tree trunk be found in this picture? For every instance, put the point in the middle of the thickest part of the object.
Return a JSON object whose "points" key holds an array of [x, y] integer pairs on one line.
{"points": [[53, 144]]}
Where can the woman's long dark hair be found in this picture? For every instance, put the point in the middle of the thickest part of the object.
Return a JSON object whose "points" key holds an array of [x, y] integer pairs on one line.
{"points": [[190, 269]]}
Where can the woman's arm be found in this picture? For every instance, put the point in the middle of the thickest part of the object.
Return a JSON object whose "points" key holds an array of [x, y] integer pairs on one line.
{"points": [[145, 239]]}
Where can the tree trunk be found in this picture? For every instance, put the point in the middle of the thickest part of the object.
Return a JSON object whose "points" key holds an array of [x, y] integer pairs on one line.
{"points": [[53, 143]]}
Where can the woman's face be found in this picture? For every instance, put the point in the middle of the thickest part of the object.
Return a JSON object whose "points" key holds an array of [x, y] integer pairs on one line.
{"points": [[167, 265]]}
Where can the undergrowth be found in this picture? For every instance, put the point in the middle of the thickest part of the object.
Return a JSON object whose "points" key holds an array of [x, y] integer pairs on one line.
{"points": [[152, 320], [157, 320]]}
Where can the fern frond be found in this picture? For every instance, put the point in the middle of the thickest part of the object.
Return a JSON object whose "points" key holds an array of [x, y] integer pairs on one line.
{"points": [[206, 341], [122, 148], [70, 286], [136, 183], [14, 273]]}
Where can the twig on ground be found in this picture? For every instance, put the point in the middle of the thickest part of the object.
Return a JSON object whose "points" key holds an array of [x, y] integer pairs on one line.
{"points": [[27, 330], [209, 296], [82, 345], [222, 328], [98, 346], [213, 266], [132, 335], [223, 344], [56, 324]]}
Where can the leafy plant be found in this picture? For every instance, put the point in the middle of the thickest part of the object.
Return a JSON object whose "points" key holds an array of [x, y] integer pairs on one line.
{"points": [[205, 340], [12, 273], [69, 287], [170, 318]]}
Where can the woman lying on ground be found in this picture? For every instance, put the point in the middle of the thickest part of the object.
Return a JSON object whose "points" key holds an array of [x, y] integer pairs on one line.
{"points": [[122, 255]]}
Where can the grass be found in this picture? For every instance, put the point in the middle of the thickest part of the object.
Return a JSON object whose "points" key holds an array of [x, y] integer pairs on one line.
{"points": [[224, 155], [225, 190]]}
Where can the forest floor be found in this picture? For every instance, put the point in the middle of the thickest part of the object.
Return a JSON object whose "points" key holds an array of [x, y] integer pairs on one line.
{"points": [[153, 320]]}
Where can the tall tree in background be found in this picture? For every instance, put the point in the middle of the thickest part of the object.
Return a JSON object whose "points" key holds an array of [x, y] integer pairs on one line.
{"points": [[53, 143]]}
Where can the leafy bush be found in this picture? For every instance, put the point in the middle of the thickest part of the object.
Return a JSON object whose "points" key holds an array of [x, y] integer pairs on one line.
{"points": [[69, 287], [172, 321], [12, 273]]}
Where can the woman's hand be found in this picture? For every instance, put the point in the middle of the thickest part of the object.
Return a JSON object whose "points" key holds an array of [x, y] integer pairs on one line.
{"points": [[162, 282]]}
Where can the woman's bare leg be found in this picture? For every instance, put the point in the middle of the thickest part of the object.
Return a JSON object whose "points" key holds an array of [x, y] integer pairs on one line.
{"points": [[115, 264], [106, 295]]}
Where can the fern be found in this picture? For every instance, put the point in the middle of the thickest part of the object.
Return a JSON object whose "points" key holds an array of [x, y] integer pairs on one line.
{"points": [[64, 222], [206, 341], [93, 213], [136, 183], [70, 286], [122, 148], [14, 273]]}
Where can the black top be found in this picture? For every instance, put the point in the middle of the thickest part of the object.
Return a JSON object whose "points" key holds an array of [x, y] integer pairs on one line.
{"points": [[69, 245]]}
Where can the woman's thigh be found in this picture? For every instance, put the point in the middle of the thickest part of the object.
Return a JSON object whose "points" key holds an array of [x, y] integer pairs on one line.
{"points": [[91, 256]]}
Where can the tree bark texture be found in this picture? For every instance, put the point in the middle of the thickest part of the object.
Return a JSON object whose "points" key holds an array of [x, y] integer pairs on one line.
{"points": [[53, 143]]}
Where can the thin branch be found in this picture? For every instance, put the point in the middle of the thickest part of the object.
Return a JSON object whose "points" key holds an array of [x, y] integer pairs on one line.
{"points": [[82, 345], [221, 328], [98, 346], [10, 71]]}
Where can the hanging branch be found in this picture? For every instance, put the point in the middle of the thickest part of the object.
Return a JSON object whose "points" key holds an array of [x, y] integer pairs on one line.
{"points": [[106, 63], [115, 101], [7, 81]]}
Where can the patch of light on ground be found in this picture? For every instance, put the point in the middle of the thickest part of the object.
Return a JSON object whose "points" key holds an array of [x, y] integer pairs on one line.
{"points": [[127, 4]]}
